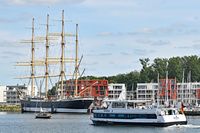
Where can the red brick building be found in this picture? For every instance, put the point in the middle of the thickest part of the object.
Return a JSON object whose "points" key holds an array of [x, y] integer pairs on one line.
{"points": [[87, 88]]}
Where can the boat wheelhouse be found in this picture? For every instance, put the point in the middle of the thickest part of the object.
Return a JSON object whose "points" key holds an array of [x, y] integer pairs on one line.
{"points": [[126, 112]]}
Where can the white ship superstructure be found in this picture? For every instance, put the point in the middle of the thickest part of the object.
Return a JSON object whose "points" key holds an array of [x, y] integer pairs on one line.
{"points": [[125, 112]]}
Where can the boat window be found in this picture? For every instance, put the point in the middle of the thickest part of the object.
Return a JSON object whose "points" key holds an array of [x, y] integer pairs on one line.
{"points": [[118, 105], [125, 116], [170, 112], [173, 112], [112, 115], [176, 112], [121, 115], [130, 105]]}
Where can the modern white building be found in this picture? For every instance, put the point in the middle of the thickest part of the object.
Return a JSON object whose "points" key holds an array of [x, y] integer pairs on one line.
{"points": [[116, 91], [146, 91], [2, 94], [188, 93], [12, 94]]}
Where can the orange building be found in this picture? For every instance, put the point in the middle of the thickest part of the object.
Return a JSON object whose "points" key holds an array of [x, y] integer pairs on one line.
{"points": [[198, 93], [168, 89]]}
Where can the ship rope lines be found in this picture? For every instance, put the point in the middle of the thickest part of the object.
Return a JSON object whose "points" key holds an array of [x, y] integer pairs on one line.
{"points": [[47, 61]]}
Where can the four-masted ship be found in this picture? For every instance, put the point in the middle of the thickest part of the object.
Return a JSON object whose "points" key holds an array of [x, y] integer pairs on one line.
{"points": [[61, 104]]}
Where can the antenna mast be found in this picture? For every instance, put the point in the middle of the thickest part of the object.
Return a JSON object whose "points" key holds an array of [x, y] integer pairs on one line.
{"points": [[158, 93], [166, 85]]}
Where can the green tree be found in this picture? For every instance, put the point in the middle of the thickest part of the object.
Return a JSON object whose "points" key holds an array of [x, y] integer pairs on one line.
{"points": [[147, 72], [192, 63], [160, 68], [52, 91], [176, 68]]}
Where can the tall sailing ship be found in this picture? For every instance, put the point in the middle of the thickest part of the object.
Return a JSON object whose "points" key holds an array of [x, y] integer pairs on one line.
{"points": [[62, 103]]}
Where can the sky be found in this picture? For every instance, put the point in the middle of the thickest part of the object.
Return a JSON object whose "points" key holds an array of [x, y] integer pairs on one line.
{"points": [[113, 34]]}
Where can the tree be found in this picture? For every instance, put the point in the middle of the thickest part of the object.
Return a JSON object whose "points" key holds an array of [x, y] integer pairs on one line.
{"points": [[176, 68], [160, 68], [52, 91], [192, 63], [146, 73]]}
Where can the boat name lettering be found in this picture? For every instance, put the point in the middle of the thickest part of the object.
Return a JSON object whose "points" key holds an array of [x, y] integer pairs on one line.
{"points": [[106, 110]]}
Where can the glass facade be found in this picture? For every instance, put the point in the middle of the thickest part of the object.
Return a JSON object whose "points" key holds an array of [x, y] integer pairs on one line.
{"points": [[125, 116]]}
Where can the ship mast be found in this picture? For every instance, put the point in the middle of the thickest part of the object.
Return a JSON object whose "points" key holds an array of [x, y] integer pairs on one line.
{"points": [[62, 61], [47, 55], [32, 61], [76, 63], [48, 61]]}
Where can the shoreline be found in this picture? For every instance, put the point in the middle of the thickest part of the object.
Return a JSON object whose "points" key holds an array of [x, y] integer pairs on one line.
{"points": [[10, 108]]}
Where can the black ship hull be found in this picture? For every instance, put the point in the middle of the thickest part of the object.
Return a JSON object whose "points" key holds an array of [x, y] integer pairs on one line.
{"points": [[80, 105]]}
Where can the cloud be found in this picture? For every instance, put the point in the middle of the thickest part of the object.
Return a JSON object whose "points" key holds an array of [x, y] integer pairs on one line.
{"points": [[12, 53], [160, 43], [105, 34], [105, 54], [173, 29], [5, 20], [183, 47], [100, 54], [191, 46], [111, 44], [140, 51], [110, 3], [146, 30], [196, 41], [113, 62], [153, 42], [90, 63], [125, 53], [196, 46], [40, 2], [112, 34], [144, 41], [5, 57], [9, 44]]}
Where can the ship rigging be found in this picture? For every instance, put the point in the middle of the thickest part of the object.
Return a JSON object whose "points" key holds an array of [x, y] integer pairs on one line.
{"points": [[61, 104]]}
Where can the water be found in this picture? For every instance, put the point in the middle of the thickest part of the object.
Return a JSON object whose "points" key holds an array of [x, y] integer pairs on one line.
{"points": [[76, 123]]}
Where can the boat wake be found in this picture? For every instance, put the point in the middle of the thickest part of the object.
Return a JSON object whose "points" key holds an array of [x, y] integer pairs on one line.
{"points": [[186, 126]]}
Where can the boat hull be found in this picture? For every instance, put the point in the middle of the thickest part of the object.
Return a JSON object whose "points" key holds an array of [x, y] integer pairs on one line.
{"points": [[139, 123], [133, 117], [61, 106], [43, 116]]}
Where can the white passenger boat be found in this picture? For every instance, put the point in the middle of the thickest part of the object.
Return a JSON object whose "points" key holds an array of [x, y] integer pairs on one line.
{"points": [[125, 112]]}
